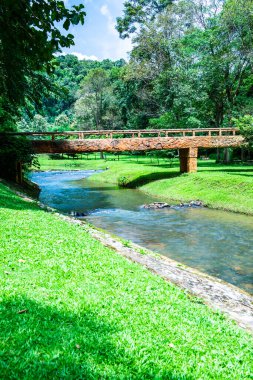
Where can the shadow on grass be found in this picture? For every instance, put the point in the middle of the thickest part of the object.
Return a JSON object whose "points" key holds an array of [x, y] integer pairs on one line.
{"points": [[47, 343], [11, 201], [243, 174], [174, 165], [146, 178]]}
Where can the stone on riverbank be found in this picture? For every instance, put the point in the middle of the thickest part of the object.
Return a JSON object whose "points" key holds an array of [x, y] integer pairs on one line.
{"points": [[160, 205], [156, 205]]}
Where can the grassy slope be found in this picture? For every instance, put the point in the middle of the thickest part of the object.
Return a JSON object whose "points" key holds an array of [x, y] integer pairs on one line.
{"points": [[219, 190], [91, 314], [221, 186]]}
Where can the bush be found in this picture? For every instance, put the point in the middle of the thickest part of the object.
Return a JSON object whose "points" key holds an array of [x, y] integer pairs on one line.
{"points": [[12, 150], [245, 124]]}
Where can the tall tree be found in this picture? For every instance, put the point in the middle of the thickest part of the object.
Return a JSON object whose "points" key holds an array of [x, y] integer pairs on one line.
{"points": [[193, 62], [29, 38], [93, 90], [138, 12]]}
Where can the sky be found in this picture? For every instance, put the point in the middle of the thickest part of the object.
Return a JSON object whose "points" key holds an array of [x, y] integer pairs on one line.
{"points": [[97, 38]]}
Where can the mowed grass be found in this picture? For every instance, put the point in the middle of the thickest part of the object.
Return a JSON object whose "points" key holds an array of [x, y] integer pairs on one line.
{"points": [[132, 170], [228, 187], [222, 189], [74, 309]]}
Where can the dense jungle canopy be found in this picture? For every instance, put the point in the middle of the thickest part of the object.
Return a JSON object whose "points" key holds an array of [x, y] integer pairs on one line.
{"points": [[191, 66]]}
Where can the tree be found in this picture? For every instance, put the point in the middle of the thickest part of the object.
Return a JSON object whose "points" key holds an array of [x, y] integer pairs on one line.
{"points": [[245, 124], [93, 90], [62, 122], [139, 12], [29, 38], [39, 124], [193, 63]]}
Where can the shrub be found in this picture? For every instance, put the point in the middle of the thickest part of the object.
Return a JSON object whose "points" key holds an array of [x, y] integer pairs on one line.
{"points": [[245, 124], [12, 150]]}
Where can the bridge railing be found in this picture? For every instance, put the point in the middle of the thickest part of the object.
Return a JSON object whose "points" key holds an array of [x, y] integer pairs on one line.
{"points": [[114, 134]]}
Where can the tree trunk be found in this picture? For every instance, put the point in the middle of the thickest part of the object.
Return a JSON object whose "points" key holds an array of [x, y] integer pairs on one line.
{"points": [[243, 154], [218, 155], [227, 155]]}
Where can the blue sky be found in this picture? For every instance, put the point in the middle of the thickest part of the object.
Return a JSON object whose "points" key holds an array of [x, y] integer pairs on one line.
{"points": [[97, 38]]}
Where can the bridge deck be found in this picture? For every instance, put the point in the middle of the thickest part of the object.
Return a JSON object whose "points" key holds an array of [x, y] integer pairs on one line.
{"points": [[186, 140], [132, 133]]}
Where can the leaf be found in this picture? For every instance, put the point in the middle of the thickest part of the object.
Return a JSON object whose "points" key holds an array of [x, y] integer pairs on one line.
{"points": [[66, 24], [75, 19], [23, 311]]}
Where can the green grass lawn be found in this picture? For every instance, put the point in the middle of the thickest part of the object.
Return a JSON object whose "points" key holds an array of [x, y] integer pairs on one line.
{"points": [[227, 187], [74, 309]]}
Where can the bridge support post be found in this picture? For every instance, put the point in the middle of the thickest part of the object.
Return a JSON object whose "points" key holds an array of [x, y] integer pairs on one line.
{"points": [[188, 160]]}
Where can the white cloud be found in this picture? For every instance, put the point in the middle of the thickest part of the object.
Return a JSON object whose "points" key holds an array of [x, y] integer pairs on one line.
{"points": [[116, 49], [113, 47], [110, 21], [105, 10], [81, 56]]}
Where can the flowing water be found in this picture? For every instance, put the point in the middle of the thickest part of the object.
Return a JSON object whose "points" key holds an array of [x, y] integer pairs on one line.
{"points": [[216, 242]]}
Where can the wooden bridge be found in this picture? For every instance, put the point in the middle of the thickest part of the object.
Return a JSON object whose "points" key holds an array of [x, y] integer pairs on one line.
{"points": [[187, 141]]}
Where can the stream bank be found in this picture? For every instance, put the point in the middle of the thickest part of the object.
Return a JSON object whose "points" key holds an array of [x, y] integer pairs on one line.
{"points": [[224, 187], [217, 294], [215, 242], [87, 311]]}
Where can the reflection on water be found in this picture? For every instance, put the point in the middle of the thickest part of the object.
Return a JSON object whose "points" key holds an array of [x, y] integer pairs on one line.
{"points": [[216, 242]]}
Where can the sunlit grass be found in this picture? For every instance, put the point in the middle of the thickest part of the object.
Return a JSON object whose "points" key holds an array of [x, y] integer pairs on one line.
{"points": [[88, 313]]}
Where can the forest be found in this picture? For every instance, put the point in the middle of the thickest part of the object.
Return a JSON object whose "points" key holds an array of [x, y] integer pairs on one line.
{"points": [[190, 67]]}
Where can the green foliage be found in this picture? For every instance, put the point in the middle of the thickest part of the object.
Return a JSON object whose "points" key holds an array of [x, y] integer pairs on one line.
{"points": [[191, 67], [62, 122], [139, 12], [29, 37], [123, 181], [245, 124], [39, 124], [192, 64], [164, 121], [12, 150]]}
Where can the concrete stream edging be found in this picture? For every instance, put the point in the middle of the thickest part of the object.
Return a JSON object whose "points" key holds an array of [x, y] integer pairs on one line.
{"points": [[216, 293]]}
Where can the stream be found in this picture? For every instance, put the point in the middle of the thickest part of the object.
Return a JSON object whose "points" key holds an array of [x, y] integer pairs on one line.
{"points": [[215, 242]]}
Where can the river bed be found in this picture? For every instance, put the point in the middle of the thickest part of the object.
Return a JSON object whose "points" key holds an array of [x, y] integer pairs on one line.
{"points": [[215, 242]]}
